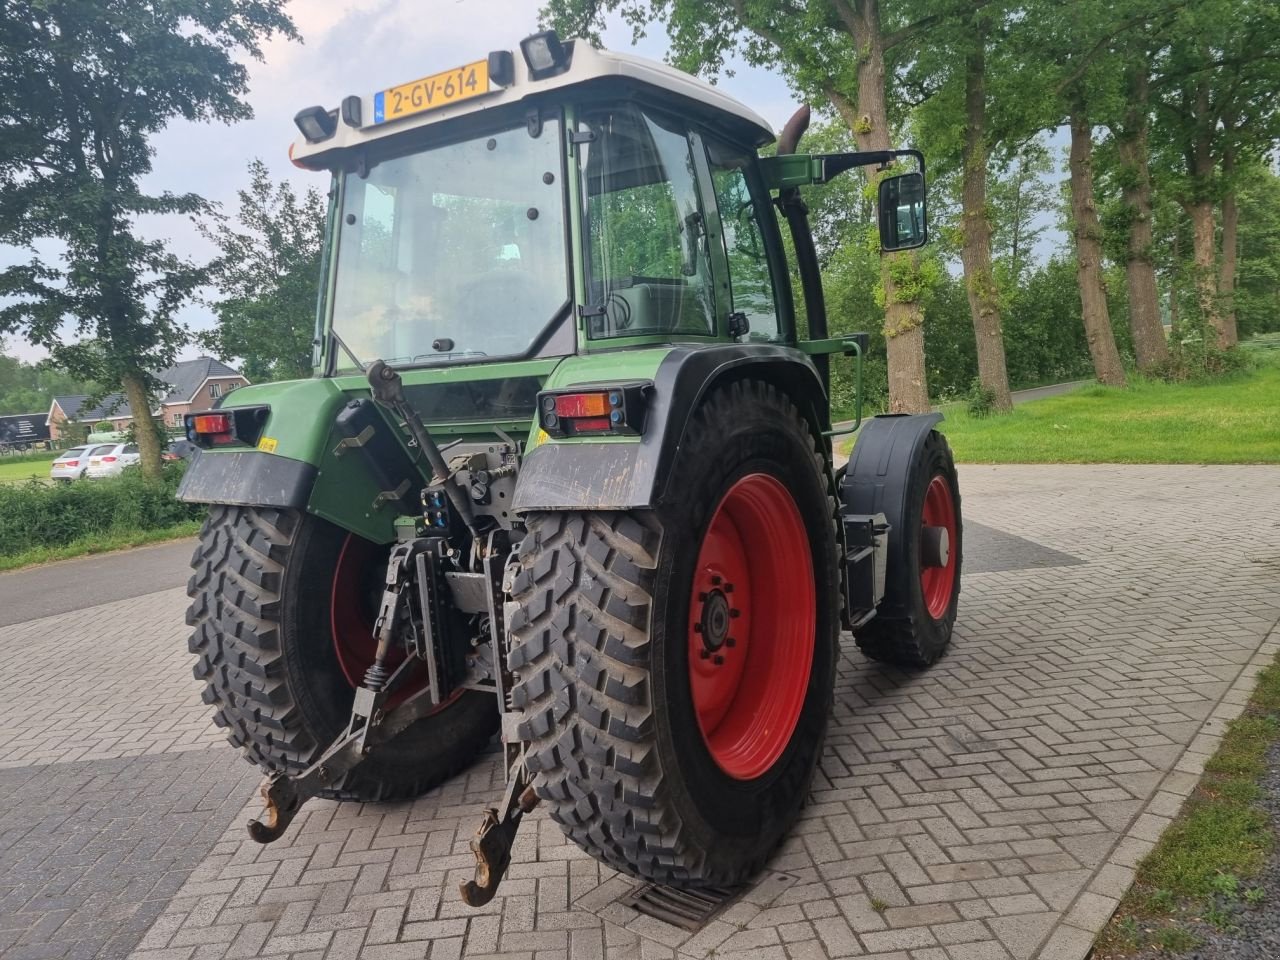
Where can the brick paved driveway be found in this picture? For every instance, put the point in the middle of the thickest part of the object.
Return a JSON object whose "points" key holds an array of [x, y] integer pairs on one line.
{"points": [[1111, 622]]}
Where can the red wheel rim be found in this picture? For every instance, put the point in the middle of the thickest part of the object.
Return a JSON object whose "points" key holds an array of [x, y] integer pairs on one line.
{"points": [[937, 579], [357, 583], [752, 620]]}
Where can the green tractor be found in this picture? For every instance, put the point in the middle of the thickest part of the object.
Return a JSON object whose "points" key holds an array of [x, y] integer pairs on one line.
{"points": [[564, 472]]}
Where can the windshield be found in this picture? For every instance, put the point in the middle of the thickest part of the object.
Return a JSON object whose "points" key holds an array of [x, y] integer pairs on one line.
{"points": [[453, 254]]}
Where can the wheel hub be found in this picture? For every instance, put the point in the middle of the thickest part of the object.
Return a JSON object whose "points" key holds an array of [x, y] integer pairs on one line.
{"points": [[713, 625], [935, 546]]}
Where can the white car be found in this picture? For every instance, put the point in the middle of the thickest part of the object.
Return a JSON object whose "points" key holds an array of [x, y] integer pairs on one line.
{"points": [[72, 464], [110, 461]]}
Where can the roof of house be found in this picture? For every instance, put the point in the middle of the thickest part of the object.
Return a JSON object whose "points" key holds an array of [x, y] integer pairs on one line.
{"points": [[112, 405], [185, 378]]}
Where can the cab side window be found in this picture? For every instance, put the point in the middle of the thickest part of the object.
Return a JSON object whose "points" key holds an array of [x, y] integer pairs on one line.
{"points": [[749, 273], [647, 245]]}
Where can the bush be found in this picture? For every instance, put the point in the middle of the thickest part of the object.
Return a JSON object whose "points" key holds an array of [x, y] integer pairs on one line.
{"points": [[981, 401], [1194, 357], [38, 514]]}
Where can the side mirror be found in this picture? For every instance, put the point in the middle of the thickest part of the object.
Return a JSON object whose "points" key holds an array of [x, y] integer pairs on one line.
{"points": [[902, 212]]}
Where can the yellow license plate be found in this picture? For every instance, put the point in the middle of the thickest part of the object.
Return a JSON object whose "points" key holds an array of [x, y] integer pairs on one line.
{"points": [[437, 90]]}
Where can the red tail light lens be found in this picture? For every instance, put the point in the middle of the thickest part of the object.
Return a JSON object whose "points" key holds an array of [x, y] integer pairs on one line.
{"points": [[108, 459], [212, 423], [575, 405]]}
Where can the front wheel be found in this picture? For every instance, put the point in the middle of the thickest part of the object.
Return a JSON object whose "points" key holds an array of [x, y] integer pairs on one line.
{"points": [[913, 624], [674, 667], [282, 606]]}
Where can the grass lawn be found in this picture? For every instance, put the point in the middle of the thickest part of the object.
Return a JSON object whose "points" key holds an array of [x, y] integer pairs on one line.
{"points": [[24, 469], [98, 543], [1234, 420]]}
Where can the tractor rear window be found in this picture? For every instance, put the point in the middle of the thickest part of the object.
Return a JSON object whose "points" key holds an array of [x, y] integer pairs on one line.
{"points": [[456, 253], [647, 261]]}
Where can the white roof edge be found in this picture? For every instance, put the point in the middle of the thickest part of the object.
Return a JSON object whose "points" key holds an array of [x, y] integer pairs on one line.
{"points": [[588, 64]]}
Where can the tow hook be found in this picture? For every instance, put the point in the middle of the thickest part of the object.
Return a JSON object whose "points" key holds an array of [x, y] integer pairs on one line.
{"points": [[493, 839], [282, 802]]}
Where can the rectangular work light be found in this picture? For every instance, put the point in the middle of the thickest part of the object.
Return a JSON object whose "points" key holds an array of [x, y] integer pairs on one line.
{"points": [[544, 54], [316, 123]]}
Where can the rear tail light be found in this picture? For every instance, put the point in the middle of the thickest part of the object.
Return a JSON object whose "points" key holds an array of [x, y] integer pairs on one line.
{"points": [[71, 463], [595, 411], [108, 459], [239, 427]]}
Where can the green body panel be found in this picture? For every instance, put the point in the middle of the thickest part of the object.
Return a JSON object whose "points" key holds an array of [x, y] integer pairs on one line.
{"points": [[301, 425]]}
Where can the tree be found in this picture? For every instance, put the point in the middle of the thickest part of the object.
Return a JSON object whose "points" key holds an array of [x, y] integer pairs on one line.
{"points": [[31, 387], [837, 51], [266, 273], [85, 84], [1088, 235]]}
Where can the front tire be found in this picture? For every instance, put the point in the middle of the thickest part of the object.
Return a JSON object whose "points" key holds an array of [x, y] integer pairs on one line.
{"points": [[913, 625], [273, 641], [643, 762]]}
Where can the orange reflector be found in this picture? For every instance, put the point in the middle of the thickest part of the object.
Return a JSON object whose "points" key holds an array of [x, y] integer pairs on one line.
{"points": [[573, 405], [212, 423]]}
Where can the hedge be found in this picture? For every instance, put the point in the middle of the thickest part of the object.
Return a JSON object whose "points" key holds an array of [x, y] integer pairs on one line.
{"points": [[52, 515]]}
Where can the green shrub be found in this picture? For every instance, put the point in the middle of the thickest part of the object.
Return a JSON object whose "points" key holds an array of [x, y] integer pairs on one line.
{"points": [[981, 401], [39, 514]]}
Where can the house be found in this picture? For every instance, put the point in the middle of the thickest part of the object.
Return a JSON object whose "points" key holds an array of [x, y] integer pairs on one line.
{"points": [[194, 386]]}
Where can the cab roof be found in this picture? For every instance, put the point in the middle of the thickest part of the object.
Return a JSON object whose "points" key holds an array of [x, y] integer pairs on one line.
{"points": [[587, 67]]}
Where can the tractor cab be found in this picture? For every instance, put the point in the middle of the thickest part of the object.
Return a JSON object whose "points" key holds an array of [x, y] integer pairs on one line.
{"points": [[566, 200], [564, 473]]}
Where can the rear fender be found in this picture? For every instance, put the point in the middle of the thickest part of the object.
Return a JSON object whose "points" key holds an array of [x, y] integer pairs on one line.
{"points": [[312, 456], [625, 474]]}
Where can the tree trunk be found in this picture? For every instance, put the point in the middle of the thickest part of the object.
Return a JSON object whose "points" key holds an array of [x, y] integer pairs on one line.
{"points": [[1149, 344], [903, 318], [1203, 243], [144, 427], [1093, 295], [1227, 269], [1200, 209], [984, 300]]}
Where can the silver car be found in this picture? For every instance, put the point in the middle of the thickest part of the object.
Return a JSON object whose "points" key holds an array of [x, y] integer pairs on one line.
{"points": [[72, 464], [110, 461]]}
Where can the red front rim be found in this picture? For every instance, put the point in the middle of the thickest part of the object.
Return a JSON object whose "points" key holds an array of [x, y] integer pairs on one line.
{"points": [[936, 581], [357, 583], [752, 620]]}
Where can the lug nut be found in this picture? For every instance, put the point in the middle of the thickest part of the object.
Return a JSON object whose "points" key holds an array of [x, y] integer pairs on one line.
{"points": [[730, 642], [728, 588], [734, 613], [717, 660], [704, 653], [697, 628], [715, 580], [702, 597]]}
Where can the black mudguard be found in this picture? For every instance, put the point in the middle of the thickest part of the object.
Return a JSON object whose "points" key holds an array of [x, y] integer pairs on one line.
{"points": [[880, 466], [248, 478], [624, 476]]}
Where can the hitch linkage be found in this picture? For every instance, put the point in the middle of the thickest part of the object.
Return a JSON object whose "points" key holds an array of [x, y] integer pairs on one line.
{"points": [[495, 835]]}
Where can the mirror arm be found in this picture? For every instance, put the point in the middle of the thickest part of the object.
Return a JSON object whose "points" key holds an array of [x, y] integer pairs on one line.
{"points": [[834, 164]]}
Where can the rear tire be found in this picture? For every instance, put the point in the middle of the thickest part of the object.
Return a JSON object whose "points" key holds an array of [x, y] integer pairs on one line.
{"points": [[263, 636], [908, 630], [601, 650]]}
